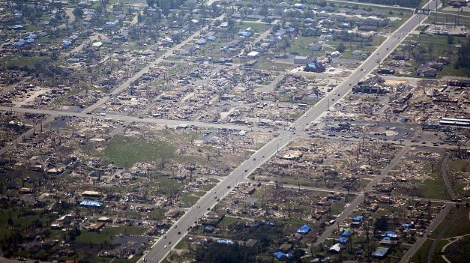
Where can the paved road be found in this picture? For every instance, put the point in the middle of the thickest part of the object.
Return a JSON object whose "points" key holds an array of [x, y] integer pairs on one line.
{"points": [[115, 92], [340, 191], [449, 188], [10, 88], [145, 70], [360, 198], [129, 119], [369, 4], [397, 142], [420, 241], [162, 247], [27, 134], [441, 235], [451, 193]]}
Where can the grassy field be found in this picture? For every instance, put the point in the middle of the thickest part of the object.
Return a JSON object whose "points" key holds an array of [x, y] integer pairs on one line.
{"points": [[108, 234], [437, 46], [166, 185], [435, 187], [461, 251], [301, 45], [461, 225], [124, 151], [189, 200], [157, 214], [266, 65], [422, 254], [11, 219], [458, 170], [257, 27], [20, 61]]}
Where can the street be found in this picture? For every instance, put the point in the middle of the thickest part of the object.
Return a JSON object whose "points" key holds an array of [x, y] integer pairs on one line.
{"points": [[175, 234]]}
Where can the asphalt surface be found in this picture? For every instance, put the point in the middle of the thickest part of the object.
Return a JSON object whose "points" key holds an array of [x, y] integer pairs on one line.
{"points": [[420, 241], [175, 234], [115, 92], [146, 69], [163, 245], [449, 188], [451, 193], [128, 119], [369, 4], [360, 198]]}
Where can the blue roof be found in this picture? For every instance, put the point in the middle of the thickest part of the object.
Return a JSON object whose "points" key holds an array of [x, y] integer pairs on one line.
{"points": [[209, 228], [391, 234], [406, 225], [280, 255], [342, 239], [225, 241], [280, 32], [346, 232], [20, 43], [304, 229], [91, 203], [380, 252], [357, 218], [270, 223], [67, 43], [245, 33]]}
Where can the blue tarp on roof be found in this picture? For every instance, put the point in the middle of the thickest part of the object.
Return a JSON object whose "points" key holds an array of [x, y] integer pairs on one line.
{"points": [[391, 234], [91, 203], [67, 43], [280, 255], [225, 241], [406, 225], [346, 232], [245, 33], [20, 43], [270, 223], [380, 252], [342, 239], [357, 219], [304, 229], [208, 229]]}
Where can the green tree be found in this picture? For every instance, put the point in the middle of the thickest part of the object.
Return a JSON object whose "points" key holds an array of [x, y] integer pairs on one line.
{"points": [[150, 3], [78, 13], [341, 48]]}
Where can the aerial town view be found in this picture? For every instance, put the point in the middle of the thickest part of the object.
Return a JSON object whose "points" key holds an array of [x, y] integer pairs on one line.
{"points": [[234, 131]]}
